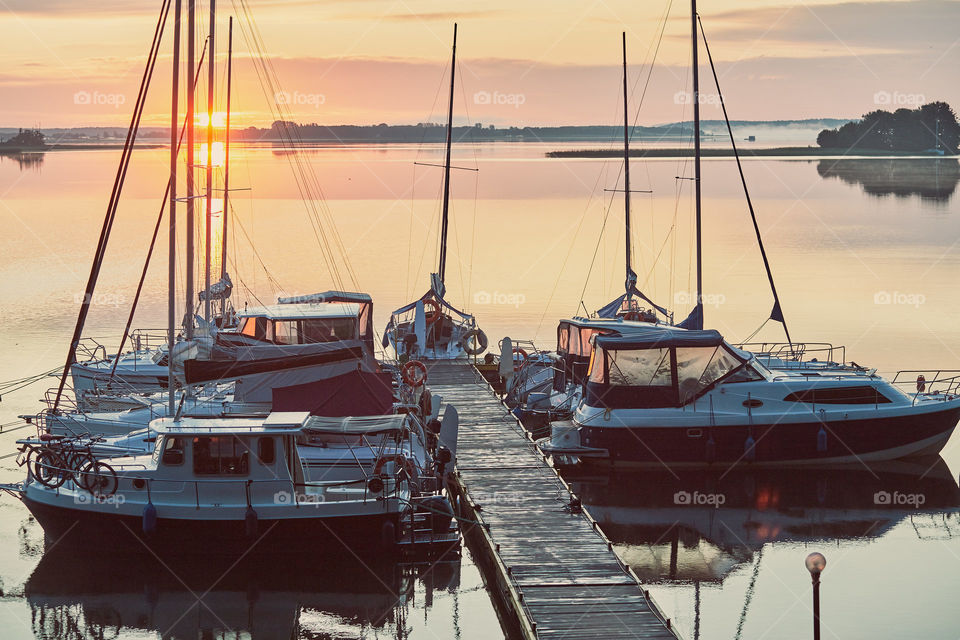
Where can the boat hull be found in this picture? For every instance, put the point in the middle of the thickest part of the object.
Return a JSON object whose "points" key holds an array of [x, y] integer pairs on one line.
{"points": [[367, 533], [888, 438]]}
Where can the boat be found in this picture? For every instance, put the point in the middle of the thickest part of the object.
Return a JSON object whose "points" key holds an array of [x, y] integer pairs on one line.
{"points": [[430, 328], [290, 482]]}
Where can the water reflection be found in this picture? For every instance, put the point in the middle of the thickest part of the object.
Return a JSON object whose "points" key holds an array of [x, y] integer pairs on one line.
{"points": [[95, 597], [700, 526], [932, 179], [26, 160]]}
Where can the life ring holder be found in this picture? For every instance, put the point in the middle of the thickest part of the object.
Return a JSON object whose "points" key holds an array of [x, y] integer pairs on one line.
{"points": [[482, 342], [409, 373], [523, 359]]}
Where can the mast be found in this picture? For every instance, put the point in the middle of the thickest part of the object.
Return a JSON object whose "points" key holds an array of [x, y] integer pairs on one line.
{"points": [[446, 164], [209, 217], [172, 259], [698, 308], [226, 156], [191, 90], [626, 169]]}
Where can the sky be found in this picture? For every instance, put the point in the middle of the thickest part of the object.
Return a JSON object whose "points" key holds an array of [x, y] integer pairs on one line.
{"points": [[78, 62]]}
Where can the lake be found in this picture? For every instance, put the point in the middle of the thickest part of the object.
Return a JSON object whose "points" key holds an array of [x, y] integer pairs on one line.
{"points": [[864, 253]]}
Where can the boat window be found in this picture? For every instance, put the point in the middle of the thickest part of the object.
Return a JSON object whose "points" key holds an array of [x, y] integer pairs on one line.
{"points": [[255, 328], [746, 374], [285, 331], [266, 451], [563, 340], [839, 395], [219, 455], [639, 368], [327, 330], [699, 367], [172, 451]]}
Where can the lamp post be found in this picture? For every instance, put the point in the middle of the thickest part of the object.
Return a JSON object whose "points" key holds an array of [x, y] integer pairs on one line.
{"points": [[815, 563]]}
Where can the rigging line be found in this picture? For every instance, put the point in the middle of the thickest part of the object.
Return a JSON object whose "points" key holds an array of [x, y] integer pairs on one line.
{"points": [[270, 277], [777, 312], [153, 241], [114, 198], [307, 182]]}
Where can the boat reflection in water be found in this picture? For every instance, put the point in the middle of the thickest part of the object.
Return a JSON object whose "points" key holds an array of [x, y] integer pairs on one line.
{"points": [[699, 526], [96, 597]]}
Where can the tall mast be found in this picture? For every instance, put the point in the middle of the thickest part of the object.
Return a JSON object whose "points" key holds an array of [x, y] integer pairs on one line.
{"points": [[626, 168], [172, 258], [446, 164], [696, 159], [226, 156], [209, 217], [191, 90]]}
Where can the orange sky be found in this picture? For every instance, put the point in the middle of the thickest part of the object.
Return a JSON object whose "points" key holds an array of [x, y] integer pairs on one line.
{"points": [[78, 62]]}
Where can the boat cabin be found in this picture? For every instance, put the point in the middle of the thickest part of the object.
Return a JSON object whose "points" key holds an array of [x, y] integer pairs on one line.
{"points": [[661, 367]]}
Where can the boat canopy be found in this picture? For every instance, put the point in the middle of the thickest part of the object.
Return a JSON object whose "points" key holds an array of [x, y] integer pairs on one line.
{"points": [[653, 367], [429, 295], [365, 302], [356, 425], [612, 308]]}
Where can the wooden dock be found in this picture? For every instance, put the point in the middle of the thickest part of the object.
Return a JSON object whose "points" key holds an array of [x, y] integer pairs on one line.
{"points": [[553, 571]]}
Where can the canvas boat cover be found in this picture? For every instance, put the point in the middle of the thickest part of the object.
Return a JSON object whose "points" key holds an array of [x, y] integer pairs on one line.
{"points": [[355, 425]]}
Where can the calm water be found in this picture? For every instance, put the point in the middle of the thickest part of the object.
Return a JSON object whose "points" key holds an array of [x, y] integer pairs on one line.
{"points": [[864, 255]]}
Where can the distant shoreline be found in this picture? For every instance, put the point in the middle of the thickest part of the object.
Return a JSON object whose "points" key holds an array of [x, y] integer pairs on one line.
{"points": [[809, 152]]}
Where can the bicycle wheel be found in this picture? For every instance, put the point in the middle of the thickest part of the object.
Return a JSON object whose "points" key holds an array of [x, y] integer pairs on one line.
{"points": [[101, 480], [49, 469], [82, 464]]}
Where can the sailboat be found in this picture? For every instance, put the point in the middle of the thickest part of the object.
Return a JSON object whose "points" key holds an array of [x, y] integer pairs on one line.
{"points": [[430, 328], [663, 394]]}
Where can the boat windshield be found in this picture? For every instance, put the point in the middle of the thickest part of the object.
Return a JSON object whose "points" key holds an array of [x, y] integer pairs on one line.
{"points": [[306, 331], [657, 377]]}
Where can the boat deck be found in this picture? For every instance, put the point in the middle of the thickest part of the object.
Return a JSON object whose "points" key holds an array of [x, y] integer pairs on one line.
{"points": [[552, 569]]}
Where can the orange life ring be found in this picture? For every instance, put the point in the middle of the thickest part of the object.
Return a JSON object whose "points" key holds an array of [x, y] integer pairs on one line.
{"points": [[434, 315], [402, 462], [523, 359], [414, 373]]}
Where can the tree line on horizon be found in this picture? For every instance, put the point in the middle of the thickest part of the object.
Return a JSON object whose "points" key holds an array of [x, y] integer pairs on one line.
{"points": [[930, 127]]}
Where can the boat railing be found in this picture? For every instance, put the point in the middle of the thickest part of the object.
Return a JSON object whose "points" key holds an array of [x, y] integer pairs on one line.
{"points": [[797, 354], [89, 349], [929, 383], [147, 339]]}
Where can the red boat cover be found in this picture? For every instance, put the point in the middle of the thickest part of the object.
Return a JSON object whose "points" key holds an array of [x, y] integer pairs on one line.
{"points": [[358, 393]]}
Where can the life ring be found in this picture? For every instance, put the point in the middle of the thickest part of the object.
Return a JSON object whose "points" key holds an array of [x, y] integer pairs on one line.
{"points": [[401, 461], [414, 373], [921, 384], [523, 359], [434, 315], [481, 345]]}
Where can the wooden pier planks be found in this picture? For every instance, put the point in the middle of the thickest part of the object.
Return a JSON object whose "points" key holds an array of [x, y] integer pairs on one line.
{"points": [[556, 571]]}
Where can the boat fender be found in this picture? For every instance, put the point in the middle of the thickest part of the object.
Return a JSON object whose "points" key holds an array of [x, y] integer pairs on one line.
{"points": [[750, 449], [434, 426], [388, 534], [711, 450], [517, 412], [444, 456], [375, 485], [149, 518], [479, 347], [821, 440], [251, 520], [441, 513], [921, 384]]}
